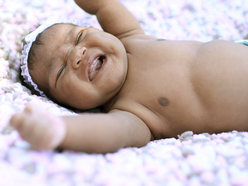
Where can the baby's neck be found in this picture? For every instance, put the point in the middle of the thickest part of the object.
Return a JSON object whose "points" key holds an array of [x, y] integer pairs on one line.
{"points": [[108, 106]]}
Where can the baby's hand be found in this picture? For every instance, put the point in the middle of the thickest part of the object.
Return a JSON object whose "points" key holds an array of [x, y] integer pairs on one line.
{"points": [[38, 127]]}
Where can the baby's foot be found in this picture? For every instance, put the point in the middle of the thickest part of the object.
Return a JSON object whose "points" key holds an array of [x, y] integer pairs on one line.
{"points": [[38, 127]]}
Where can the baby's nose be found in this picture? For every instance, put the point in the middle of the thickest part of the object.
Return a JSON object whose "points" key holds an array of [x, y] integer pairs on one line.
{"points": [[77, 61]]}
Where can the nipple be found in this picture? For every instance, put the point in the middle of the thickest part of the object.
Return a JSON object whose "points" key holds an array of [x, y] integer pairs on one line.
{"points": [[163, 101]]}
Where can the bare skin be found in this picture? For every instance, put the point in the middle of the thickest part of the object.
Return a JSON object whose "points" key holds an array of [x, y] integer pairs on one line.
{"points": [[151, 88]]}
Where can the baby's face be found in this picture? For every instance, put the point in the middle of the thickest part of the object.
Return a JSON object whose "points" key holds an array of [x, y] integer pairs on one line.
{"points": [[79, 66]]}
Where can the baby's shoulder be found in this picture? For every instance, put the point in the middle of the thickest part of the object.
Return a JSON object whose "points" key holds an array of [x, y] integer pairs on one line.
{"points": [[136, 39], [135, 107]]}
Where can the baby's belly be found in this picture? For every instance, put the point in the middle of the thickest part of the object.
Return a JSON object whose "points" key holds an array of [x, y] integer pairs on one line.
{"points": [[220, 79]]}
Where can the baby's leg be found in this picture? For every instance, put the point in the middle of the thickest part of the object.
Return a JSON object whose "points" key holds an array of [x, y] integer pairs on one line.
{"points": [[38, 127]]}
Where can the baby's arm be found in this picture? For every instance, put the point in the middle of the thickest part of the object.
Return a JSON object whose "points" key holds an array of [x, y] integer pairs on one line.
{"points": [[93, 133], [104, 133], [113, 17]]}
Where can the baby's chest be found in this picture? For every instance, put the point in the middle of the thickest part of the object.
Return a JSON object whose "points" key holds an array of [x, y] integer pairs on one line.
{"points": [[165, 106]]}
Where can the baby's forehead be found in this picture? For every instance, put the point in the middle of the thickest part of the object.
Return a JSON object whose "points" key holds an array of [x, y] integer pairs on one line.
{"points": [[66, 24], [58, 26], [56, 32]]}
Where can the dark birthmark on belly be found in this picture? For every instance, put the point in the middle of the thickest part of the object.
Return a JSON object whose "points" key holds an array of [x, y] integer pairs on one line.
{"points": [[163, 101], [160, 39]]}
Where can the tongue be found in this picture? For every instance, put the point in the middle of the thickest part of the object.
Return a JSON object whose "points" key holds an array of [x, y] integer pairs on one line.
{"points": [[95, 67]]}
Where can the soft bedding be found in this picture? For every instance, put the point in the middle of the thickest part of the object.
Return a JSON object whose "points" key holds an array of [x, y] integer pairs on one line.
{"points": [[190, 159]]}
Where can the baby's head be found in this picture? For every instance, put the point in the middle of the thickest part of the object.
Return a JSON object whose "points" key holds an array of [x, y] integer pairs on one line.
{"points": [[77, 66]]}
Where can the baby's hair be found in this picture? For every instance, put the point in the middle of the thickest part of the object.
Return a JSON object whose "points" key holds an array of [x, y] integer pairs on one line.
{"points": [[31, 60], [32, 54]]}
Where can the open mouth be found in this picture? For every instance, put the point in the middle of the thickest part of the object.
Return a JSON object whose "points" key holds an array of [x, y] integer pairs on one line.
{"points": [[96, 66]]}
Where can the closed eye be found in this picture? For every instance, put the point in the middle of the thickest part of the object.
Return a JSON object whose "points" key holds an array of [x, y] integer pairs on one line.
{"points": [[59, 72], [78, 37]]}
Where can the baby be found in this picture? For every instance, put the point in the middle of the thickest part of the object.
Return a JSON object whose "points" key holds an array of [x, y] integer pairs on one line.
{"points": [[150, 88]]}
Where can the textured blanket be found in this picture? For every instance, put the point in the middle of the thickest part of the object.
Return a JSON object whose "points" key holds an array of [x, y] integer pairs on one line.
{"points": [[190, 159]]}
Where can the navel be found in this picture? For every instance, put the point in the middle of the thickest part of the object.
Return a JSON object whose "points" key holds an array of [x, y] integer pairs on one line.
{"points": [[163, 101]]}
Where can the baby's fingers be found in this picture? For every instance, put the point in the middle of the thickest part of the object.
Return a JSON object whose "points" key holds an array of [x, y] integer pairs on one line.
{"points": [[24, 126], [17, 120]]}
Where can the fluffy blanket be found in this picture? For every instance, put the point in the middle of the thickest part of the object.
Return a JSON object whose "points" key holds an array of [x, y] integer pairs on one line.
{"points": [[191, 159]]}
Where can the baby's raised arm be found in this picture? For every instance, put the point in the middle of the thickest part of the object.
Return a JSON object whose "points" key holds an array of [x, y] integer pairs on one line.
{"points": [[113, 17]]}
